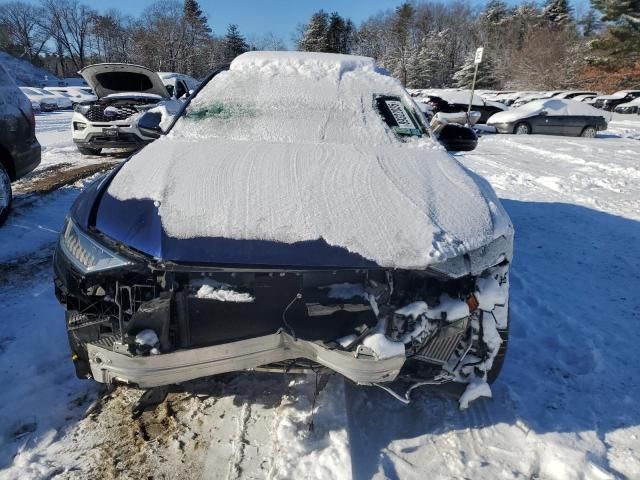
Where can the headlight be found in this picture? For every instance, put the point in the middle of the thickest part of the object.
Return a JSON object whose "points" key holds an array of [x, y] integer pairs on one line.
{"points": [[83, 109], [85, 253], [476, 261]]}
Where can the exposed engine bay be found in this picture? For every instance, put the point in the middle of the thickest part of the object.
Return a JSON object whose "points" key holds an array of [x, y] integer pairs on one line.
{"points": [[109, 109], [394, 329]]}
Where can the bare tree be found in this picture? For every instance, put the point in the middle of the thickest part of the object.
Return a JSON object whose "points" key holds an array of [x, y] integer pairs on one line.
{"points": [[22, 23], [70, 23]]}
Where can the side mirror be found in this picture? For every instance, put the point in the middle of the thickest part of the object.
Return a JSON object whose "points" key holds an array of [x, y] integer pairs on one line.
{"points": [[169, 89], [544, 113], [149, 124], [457, 138]]}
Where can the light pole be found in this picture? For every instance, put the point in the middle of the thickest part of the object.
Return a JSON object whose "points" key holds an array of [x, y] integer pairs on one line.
{"points": [[477, 61]]}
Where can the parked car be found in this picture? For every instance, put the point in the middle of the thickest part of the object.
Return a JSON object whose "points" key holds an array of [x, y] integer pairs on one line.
{"points": [[123, 93], [178, 84], [632, 107], [587, 98], [19, 149], [64, 101], [523, 100], [610, 102], [552, 116], [299, 216], [574, 94], [457, 101], [76, 94], [48, 102]]}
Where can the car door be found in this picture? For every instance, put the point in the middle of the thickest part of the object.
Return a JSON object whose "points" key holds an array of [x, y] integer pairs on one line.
{"points": [[544, 124], [573, 125]]}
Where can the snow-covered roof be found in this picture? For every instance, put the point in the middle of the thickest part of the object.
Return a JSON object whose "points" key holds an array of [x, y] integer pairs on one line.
{"points": [[553, 107], [632, 103], [618, 95], [290, 147]]}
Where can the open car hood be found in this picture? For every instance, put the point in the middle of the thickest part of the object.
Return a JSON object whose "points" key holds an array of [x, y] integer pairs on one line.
{"points": [[256, 203], [117, 78]]}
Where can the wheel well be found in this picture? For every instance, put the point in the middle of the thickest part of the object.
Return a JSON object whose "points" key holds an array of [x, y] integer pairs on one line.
{"points": [[515, 127], [7, 162]]}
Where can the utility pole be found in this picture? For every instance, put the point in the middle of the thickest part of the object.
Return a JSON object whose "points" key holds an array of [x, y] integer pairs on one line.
{"points": [[477, 61]]}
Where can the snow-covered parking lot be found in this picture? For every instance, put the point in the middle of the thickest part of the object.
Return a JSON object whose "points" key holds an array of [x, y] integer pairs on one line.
{"points": [[565, 406]]}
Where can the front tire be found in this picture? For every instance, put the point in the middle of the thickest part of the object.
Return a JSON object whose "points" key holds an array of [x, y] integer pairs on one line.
{"points": [[6, 195], [89, 151], [522, 128], [589, 132]]}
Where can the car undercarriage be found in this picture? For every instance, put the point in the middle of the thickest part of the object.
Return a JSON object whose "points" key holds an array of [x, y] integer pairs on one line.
{"points": [[157, 323]]}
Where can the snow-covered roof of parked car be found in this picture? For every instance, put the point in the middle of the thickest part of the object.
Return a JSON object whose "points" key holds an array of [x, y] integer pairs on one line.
{"points": [[553, 106], [618, 95], [290, 147]]}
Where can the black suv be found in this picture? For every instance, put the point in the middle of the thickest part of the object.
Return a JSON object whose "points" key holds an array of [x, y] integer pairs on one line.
{"points": [[19, 149]]}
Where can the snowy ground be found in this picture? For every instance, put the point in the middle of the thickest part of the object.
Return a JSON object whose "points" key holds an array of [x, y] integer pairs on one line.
{"points": [[565, 406]]}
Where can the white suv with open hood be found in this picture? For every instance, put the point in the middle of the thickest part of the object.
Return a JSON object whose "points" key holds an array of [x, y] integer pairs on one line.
{"points": [[124, 92]]}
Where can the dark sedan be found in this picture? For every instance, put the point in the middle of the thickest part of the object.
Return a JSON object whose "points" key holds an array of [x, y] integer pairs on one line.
{"points": [[552, 116]]}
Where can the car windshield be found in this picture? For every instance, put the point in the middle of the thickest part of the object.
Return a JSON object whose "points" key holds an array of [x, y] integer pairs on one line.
{"points": [[302, 106]]}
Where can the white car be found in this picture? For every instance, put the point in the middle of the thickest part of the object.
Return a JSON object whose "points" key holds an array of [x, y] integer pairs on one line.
{"points": [[76, 94], [64, 101], [574, 94], [47, 102], [178, 84], [630, 107], [587, 98], [123, 93]]}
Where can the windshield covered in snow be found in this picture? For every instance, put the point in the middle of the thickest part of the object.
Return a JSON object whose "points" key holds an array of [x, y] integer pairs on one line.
{"points": [[301, 98]]}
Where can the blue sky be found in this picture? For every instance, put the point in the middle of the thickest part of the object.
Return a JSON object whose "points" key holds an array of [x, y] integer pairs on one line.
{"points": [[280, 17]]}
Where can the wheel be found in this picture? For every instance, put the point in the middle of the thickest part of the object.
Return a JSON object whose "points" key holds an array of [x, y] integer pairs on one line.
{"points": [[589, 132], [5, 194], [89, 151], [522, 129]]}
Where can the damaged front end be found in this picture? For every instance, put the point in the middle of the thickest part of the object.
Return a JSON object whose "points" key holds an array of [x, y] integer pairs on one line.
{"points": [[134, 320]]}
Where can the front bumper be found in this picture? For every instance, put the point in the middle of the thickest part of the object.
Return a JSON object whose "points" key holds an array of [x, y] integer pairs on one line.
{"points": [[94, 135], [108, 366], [502, 127]]}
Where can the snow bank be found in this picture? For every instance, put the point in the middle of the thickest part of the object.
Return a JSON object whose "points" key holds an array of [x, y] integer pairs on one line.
{"points": [[554, 106], [289, 147]]}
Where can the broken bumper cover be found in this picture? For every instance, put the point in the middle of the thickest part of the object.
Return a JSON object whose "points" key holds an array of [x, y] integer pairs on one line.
{"points": [[108, 366]]}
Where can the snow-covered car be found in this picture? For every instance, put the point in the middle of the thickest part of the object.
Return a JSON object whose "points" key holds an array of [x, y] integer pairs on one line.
{"points": [[298, 216], [587, 98], [610, 102], [48, 102], [19, 148], [76, 94], [64, 102], [178, 84], [552, 116], [630, 107], [523, 100], [574, 94], [123, 93], [457, 101]]}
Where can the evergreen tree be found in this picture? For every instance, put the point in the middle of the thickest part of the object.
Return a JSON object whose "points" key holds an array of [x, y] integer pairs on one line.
{"points": [[314, 38], [557, 13], [623, 35], [234, 43], [463, 78], [400, 55], [197, 36], [590, 24]]}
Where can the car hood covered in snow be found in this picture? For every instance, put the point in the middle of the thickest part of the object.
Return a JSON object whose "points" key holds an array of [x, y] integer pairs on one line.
{"points": [[118, 78], [241, 202]]}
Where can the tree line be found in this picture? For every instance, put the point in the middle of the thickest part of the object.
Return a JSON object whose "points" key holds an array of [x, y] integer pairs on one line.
{"points": [[431, 44], [64, 36], [424, 43]]}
